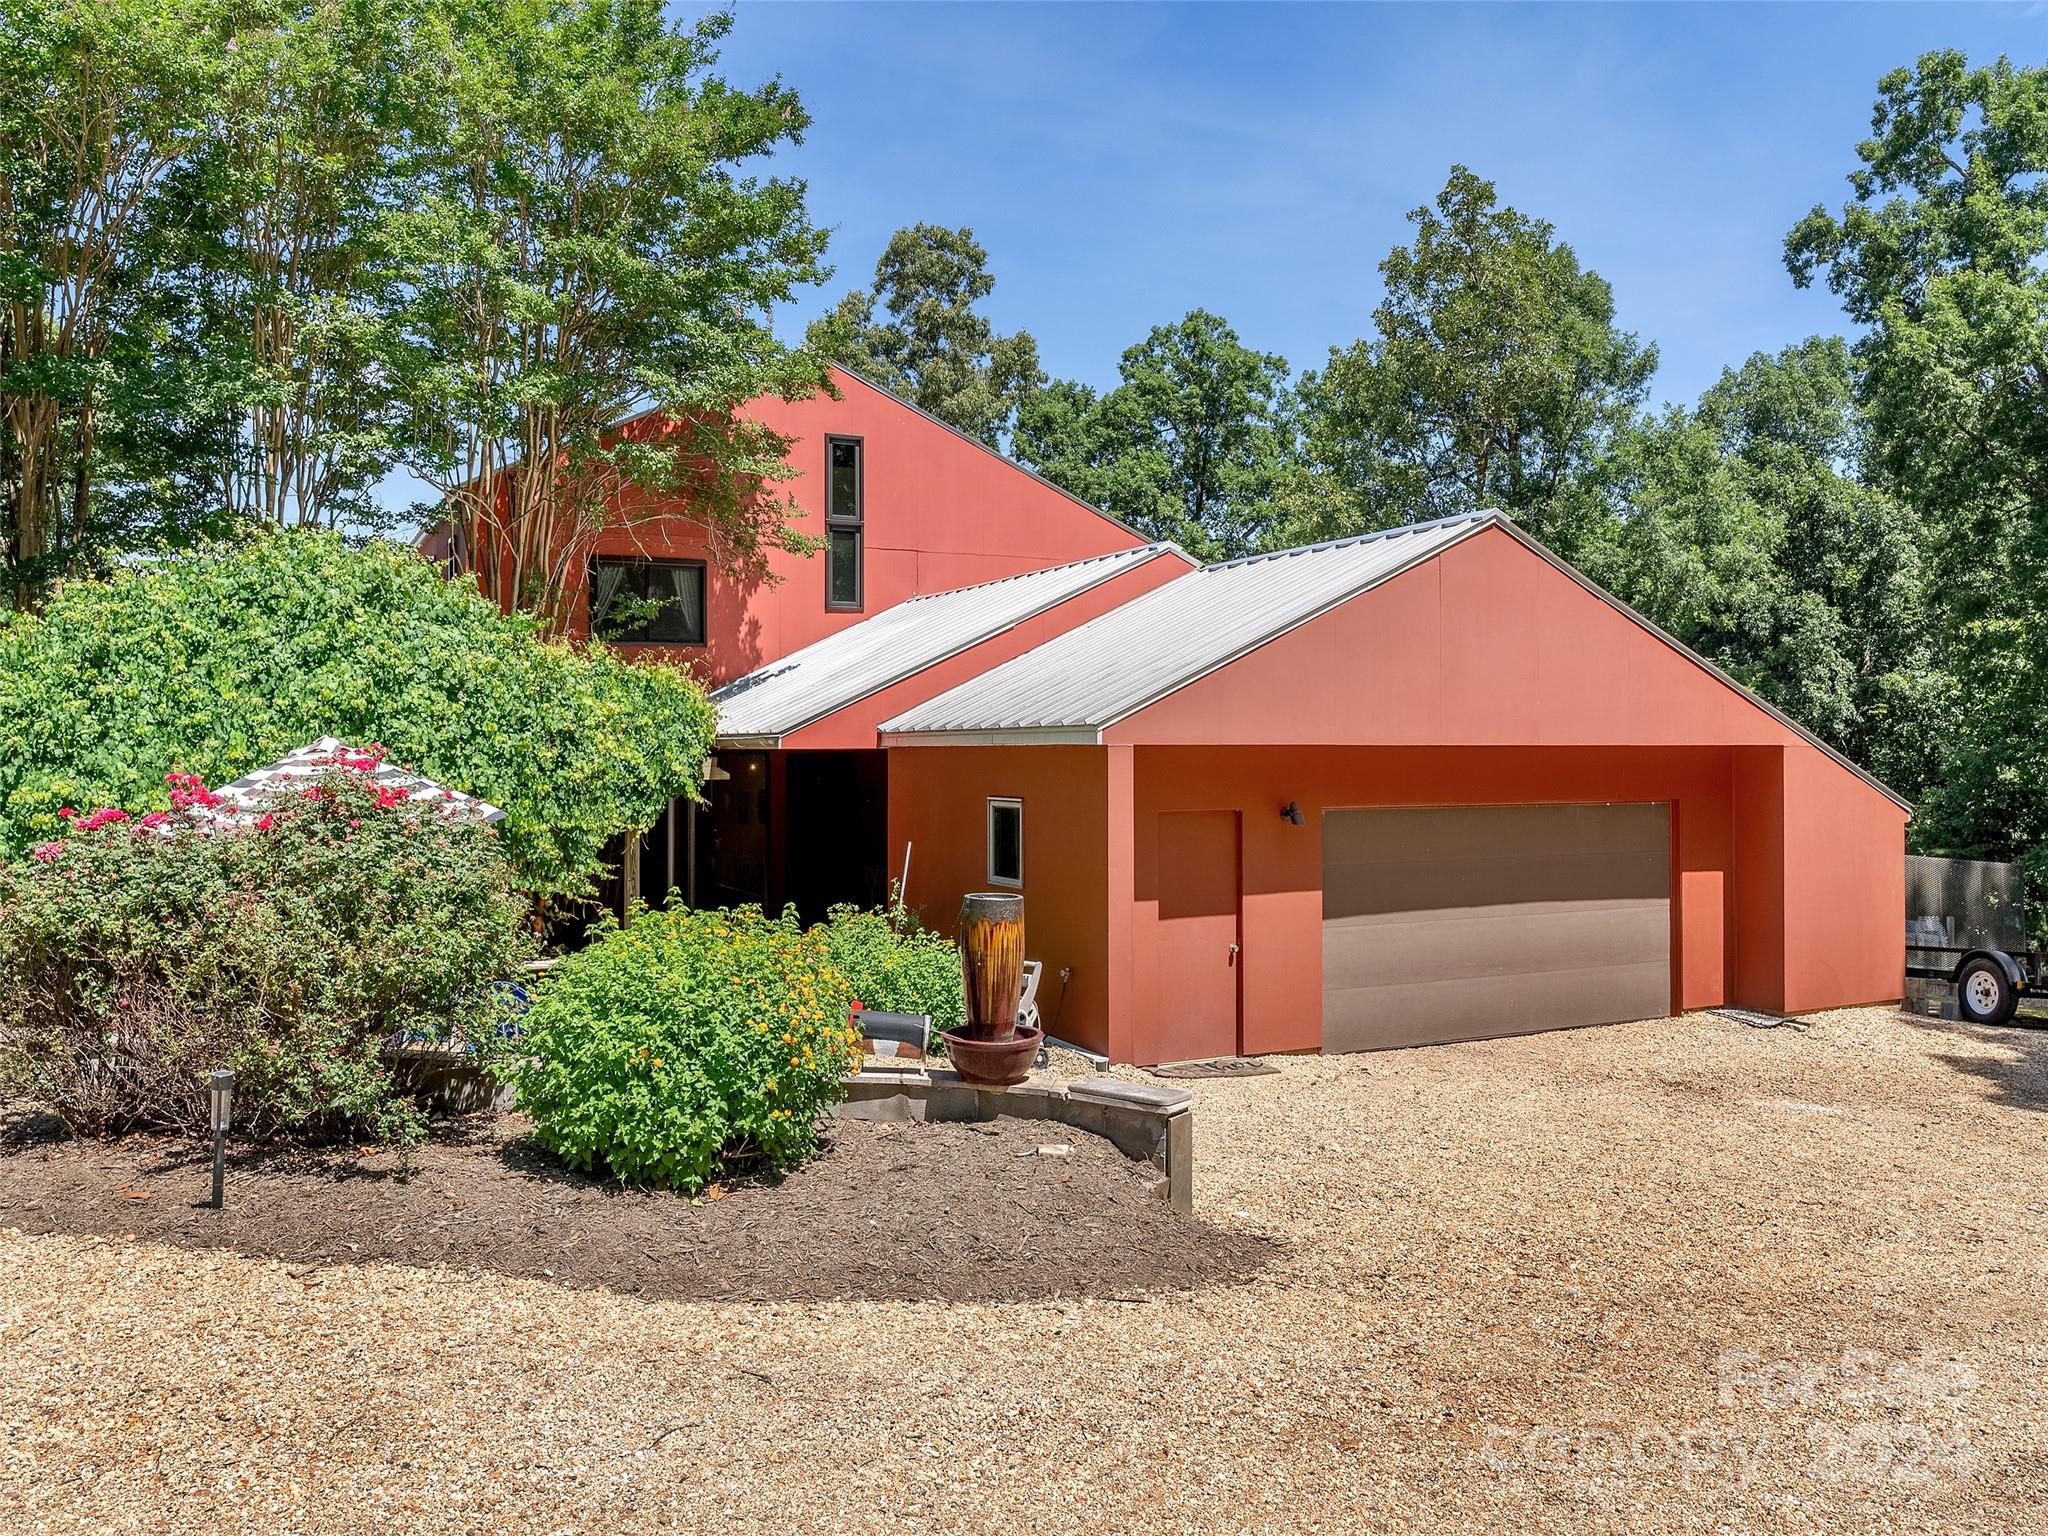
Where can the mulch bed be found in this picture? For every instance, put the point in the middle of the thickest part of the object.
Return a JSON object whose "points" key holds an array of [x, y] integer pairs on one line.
{"points": [[888, 1212]]}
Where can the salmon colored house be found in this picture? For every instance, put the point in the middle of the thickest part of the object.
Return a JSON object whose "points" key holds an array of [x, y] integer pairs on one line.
{"points": [[1422, 785], [904, 507]]}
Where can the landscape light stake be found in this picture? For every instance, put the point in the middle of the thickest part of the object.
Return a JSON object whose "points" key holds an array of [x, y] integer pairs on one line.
{"points": [[223, 1095]]}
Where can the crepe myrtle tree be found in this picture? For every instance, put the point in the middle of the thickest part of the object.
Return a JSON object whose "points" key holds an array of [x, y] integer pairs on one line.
{"points": [[586, 240]]}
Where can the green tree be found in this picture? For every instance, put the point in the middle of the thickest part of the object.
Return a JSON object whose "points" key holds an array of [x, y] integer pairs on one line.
{"points": [[287, 274], [584, 237], [1496, 377], [1753, 534], [100, 104], [1193, 445], [1942, 253], [222, 659], [934, 348]]}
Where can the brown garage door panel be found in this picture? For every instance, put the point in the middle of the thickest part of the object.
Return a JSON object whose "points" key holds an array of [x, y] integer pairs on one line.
{"points": [[1486, 1007], [1424, 884], [1469, 922], [1494, 941]]}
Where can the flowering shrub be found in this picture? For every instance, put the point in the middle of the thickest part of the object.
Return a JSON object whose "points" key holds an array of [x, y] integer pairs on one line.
{"points": [[143, 951], [688, 1044], [897, 965], [223, 658]]}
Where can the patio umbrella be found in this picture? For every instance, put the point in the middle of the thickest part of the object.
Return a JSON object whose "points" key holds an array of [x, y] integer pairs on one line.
{"points": [[256, 792]]}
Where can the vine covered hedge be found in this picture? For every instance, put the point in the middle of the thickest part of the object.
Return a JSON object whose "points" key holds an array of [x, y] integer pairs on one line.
{"points": [[222, 659]]}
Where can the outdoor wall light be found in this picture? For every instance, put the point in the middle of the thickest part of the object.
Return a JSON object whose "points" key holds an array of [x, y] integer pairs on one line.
{"points": [[1291, 814], [222, 1093]]}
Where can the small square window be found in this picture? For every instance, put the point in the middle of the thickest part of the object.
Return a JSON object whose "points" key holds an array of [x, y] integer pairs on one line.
{"points": [[1006, 842]]}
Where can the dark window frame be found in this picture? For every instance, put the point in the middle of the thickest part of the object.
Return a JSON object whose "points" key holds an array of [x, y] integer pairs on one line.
{"points": [[840, 522], [1007, 803], [655, 562]]}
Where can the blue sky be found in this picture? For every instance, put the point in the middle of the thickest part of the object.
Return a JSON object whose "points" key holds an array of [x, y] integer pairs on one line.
{"points": [[1125, 163]]}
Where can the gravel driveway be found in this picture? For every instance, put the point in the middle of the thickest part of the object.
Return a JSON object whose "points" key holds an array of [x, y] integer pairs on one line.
{"points": [[1685, 1276]]}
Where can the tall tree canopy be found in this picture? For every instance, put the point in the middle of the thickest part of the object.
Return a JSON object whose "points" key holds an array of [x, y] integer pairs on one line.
{"points": [[255, 254], [930, 342], [1496, 377], [1192, 446], [100, 105], [1942, 253], [1751, 532], [286, 271], [585, 238]]}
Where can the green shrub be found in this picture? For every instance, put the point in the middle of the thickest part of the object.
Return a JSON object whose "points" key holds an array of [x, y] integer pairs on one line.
{"points": [[896, 965], [222, 659], [143, 951], [688, 1045]]}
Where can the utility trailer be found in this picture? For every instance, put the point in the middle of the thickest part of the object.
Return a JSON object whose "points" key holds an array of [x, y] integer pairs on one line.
{"points": [[1966, 928]]}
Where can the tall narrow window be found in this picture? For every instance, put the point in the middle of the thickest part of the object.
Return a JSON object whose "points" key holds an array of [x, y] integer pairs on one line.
{"points": [[843, 522], [1005, 842]]}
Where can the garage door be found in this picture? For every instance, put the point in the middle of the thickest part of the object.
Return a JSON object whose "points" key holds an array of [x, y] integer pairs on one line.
{"points": [[1468, 922]]}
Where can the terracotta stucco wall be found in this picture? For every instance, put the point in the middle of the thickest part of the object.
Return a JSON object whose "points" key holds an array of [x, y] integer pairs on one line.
{"points": [[1077, 853], [1845, 888], [1486, 645], [1283, 898], [941, 512]]}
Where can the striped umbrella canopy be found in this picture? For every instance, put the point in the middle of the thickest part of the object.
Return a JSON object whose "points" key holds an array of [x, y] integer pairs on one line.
{"points": [[256, 792]]}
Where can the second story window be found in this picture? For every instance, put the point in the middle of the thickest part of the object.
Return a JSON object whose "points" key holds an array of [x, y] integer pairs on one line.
{"points": [[843, 522], [643, 601]]}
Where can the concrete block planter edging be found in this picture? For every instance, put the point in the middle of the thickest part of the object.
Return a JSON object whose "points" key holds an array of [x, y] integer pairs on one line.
{"points": [[1147, 1123]]}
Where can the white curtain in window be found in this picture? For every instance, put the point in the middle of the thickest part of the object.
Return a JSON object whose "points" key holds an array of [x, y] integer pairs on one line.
{"points": [[604, 586], [686, 592]]}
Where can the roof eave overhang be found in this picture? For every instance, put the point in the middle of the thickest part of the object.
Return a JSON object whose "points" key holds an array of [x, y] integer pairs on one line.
{"points": [[762, 741], [1007, 736]]}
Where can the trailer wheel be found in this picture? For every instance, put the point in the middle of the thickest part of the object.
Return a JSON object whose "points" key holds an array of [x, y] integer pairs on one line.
{"points": [[1984, 994]]}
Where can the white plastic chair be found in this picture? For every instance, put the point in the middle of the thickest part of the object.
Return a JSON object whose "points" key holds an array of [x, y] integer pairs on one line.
{"points": [[1027, 1002]]}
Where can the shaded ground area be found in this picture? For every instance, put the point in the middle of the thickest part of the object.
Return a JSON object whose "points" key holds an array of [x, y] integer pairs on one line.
{"points": [[1677, 1276], [889, 1212]]}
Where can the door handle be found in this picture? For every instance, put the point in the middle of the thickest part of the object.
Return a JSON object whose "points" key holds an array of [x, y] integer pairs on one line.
{"points": [[1233, 951]]}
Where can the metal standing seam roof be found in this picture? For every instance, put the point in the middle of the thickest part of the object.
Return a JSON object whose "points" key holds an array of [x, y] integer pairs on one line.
{"points": [[1094, 675], [779, 699], [1078, 684]]}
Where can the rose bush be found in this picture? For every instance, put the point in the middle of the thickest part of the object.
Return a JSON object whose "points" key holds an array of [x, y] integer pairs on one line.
{"points": [[692, 1044], [142, 951]]}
